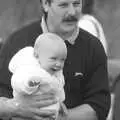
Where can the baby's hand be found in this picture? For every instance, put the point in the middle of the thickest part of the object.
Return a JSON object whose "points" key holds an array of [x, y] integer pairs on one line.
{"points": [[33, 83]]}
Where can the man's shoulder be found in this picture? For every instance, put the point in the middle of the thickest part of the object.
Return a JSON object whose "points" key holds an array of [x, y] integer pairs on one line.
{"points": [[25, 36], [88, 38], [27, 29], [90, 43], [86, 35]]}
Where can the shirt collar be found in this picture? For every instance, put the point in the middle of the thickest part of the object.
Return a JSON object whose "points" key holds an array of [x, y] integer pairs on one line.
{"points": [[71, 39], [44, 26]]}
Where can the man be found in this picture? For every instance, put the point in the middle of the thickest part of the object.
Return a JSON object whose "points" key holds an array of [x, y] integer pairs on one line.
{"points": [[86, 80]]}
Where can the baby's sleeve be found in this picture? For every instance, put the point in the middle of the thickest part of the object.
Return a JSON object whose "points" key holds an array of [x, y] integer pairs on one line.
{"points": [[24, 81], [21, 58], [30, 79]]}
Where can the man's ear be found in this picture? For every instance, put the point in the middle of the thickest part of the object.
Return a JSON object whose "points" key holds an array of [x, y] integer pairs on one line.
{"points": [[45, 5]]}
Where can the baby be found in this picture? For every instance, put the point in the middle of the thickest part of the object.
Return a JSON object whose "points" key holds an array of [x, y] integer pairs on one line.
{"points": [[39, 70]]}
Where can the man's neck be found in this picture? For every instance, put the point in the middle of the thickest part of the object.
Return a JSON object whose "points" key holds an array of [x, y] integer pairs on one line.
{"points": [[65, 35]]}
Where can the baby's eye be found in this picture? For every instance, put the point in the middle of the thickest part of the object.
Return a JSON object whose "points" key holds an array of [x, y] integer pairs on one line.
{"points": [[53, 58], [63, 59]]}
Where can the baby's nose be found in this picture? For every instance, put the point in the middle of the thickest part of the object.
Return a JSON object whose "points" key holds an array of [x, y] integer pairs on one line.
{"points": [[58, 65]]}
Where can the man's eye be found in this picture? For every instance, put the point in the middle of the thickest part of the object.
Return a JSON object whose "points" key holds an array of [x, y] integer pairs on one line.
{"points": [[63, 5], [76, 4]]}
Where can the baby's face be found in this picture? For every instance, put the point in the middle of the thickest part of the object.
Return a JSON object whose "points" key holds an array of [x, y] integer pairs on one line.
{"points": [[52, 58]]}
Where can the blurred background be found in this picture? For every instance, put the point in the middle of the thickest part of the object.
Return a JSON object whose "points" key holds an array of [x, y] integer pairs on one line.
{"points": [[16, 13]]}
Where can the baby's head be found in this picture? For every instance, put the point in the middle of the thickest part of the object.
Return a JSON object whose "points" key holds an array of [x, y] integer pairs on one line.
{"points": [[51, 52]]}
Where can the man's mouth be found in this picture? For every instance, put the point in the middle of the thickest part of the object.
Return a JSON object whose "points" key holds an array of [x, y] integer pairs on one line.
{"points": [[71, 19], [71, 22]]}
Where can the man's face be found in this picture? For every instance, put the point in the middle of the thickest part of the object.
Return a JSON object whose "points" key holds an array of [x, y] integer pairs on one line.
{"points": [[63, 15]]}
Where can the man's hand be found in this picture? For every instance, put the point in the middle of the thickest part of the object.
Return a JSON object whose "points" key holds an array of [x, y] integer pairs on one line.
{"points": [[63, 112], [30, 110]]}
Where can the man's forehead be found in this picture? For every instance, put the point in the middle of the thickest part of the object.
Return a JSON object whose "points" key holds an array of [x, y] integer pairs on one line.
{"points": [[67, 0]]}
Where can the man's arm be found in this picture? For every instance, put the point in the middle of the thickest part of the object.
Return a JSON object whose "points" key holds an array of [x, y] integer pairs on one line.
{"points": [[83, 112], [13, 108]]}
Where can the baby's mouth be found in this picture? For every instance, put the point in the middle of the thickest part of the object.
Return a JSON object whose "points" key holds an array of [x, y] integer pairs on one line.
{"points": [[55, 69]]}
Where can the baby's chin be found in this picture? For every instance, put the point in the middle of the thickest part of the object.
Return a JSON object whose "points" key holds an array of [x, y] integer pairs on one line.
{"points": [[52, 71]]}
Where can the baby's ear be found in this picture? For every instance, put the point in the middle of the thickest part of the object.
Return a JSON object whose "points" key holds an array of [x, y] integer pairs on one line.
{"points": [[36, 55]]}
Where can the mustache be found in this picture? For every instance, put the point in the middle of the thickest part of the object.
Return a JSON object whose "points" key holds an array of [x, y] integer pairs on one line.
{"points": [[70, 19]]}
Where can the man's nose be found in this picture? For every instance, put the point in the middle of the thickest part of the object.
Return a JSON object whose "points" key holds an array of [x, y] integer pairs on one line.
{"points": [[71, 10]]}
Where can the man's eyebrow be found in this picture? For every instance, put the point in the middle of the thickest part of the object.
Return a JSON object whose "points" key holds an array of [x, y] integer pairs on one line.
{"points": [[63, 2], [77, 1]]}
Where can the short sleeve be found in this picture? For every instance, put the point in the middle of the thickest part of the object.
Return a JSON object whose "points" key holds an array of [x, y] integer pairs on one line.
{"points": [[21, 58]]}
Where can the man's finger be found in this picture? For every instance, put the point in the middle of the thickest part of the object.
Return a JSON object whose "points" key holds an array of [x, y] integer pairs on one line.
{"points": [[46, 96], [45, 113], [40, 104]]}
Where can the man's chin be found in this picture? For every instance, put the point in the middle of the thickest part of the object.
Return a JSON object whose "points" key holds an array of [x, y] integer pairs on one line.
{"points": [[69, 28]]}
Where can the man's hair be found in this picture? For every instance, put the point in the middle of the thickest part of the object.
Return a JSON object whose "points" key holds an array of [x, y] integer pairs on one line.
{"points": [[49, 1], [42, 9], [87, 7]]}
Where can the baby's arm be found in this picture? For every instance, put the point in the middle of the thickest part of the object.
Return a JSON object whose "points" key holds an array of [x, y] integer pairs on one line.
{"points": [[23, 81], [21, 58], [29, 78]]}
